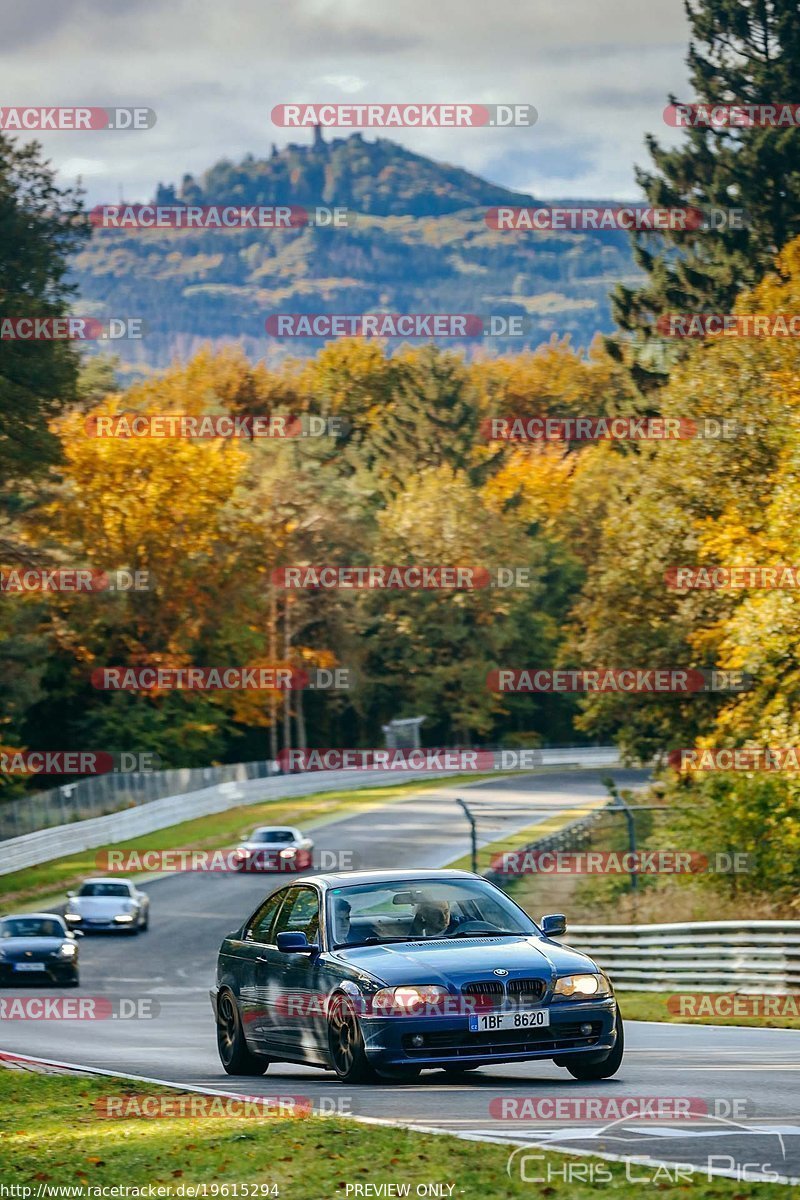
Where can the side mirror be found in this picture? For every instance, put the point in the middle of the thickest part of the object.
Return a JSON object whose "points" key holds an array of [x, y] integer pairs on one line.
{"points": [[75, 933], [70, 893], [293, 943], [554, 925]]}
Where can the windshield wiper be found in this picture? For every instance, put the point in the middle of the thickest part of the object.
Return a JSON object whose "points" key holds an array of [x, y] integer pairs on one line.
{"points": [[373, 941], [465, 933]]}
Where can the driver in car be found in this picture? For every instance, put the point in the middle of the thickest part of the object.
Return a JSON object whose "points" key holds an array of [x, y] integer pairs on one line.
{"points": [[432, 918], [341, 921]]}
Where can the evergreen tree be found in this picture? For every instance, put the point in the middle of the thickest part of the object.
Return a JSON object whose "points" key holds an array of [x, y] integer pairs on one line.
{"points": [[40, 226], [741, 52]]}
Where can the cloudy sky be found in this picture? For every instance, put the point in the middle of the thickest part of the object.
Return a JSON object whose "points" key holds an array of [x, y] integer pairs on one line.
{"points": [[598, 72]]}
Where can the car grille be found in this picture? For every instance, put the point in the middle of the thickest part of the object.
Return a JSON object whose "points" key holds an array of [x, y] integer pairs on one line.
{"points": [[525, 991], [459, 1043], [517, 993], [487, 993]]}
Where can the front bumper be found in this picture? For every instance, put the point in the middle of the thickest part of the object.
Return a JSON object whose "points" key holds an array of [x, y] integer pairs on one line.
{"points": [[448, 1041], [101, 924], [63, 971]]}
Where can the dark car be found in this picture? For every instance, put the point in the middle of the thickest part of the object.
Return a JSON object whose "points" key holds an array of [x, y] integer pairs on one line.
{"points": [[37, 947], [389, 972]]}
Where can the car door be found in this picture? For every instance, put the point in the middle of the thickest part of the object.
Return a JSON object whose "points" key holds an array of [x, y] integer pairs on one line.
{"points": [[302, 975], [255, 987]]}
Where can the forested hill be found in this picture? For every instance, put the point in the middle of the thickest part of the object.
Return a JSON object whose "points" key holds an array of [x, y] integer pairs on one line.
{"points": [[419, 244], [379, 178]]}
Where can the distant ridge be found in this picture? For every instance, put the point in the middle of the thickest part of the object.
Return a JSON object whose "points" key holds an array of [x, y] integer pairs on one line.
{"points": [[377, 178]]}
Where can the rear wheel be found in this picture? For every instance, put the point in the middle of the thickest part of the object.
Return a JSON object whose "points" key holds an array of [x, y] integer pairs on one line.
{"points": [[346, 1043], [233, 1052], [581, 1067]]}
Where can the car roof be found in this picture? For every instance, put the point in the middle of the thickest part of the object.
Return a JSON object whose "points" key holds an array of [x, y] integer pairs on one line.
{"points": [[344, 878], [105, 879], [277, 828]]}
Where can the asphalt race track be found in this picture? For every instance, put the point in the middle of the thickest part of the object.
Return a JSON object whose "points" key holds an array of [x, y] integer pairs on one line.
{"points": [[749, 1079]]}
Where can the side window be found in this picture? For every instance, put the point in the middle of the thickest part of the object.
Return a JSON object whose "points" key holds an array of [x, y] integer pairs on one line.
{"points": [[260, 925], [300, 914]]}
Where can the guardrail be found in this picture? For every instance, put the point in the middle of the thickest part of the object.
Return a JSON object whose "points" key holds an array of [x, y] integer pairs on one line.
{"points": [[575, 835], [713, 956], [57, 841]]}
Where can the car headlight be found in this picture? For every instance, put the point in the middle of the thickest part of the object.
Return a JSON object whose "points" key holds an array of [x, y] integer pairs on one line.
{"points": [[577, 987], [68, 950], [408, 1000], [72, 916], [123, 918], [287, 853]]}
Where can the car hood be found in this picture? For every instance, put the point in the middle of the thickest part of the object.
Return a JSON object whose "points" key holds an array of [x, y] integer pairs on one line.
{"points": [[467, 959], [100, 906], [40, 945]]}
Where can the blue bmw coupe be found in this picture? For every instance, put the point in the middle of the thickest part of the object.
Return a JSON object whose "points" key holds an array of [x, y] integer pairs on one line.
{"points": [[381, 974]]}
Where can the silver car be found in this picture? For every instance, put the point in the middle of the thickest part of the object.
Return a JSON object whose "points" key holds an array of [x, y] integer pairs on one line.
{"points": [[275, 848], [114, 904]]}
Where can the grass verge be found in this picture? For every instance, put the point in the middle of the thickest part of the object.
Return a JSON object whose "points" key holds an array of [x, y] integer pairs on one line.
{"points": [[652, 1006], [48, 881], [52, 1136]]}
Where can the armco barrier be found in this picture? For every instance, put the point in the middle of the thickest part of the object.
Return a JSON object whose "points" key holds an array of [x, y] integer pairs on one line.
{"points": [[713, 956], [43, 845]]}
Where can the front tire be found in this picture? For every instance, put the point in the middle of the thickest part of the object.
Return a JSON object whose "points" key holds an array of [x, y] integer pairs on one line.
{"points": [[587, 1071], [346, 1043], [233, 1052]]}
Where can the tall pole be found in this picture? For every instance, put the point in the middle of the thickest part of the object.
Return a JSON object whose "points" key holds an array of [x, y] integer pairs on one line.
{"points": [[473, 835]]}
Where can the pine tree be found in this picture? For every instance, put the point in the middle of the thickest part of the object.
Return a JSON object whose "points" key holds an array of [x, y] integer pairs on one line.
{"points": [[41, 225], [741, 52]]}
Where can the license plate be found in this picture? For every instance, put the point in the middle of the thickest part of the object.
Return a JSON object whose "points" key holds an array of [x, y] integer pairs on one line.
{"points": [[533, 1018], [29, 966]]}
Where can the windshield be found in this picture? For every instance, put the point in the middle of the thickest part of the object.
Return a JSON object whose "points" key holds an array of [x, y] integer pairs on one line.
{"points": [[421, 910], [273, 835], [23, 927], [104, 889]]}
